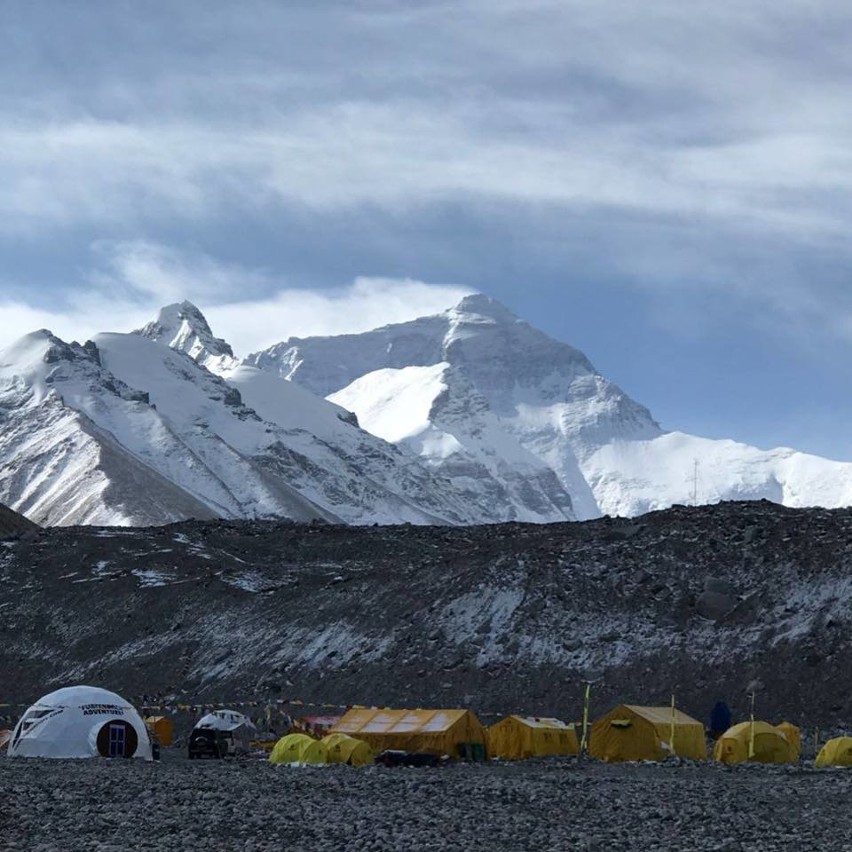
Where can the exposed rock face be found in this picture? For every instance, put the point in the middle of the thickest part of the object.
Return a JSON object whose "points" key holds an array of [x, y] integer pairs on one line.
{"points": [[182, 326], [13, 525], [499, 618]]}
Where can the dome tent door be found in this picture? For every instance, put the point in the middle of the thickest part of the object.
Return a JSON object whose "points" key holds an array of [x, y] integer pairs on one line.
{"points": [[117, 738]]}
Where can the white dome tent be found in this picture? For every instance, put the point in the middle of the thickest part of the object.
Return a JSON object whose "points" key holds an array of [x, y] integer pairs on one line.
{"points": [[80, 721]]}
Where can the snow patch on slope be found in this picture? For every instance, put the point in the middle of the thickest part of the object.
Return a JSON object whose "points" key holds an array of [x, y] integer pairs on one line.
{"points": [[633, 477], [435, 412]]}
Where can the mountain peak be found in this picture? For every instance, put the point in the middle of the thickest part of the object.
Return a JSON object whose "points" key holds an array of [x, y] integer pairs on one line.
{"points": [[174, 318], [183, 327], [484, 306]]}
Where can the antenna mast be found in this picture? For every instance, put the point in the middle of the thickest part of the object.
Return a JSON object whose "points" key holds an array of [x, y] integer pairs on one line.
{"points": [[695, 482]]}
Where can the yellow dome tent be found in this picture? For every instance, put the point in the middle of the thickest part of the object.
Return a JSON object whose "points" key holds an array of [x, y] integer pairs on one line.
{"points": [[299, 748], [162, 728], [430, 731], [631, 732], [345, 749], [836, 752], [520, 737], [770, 744], [793, 736]]}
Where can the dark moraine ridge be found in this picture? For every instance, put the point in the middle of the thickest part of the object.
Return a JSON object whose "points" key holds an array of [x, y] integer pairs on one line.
{"points": [[707, 602], [13, 525]]}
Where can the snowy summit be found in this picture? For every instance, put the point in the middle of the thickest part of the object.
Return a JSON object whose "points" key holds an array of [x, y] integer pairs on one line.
{"points": [[467, 416]]}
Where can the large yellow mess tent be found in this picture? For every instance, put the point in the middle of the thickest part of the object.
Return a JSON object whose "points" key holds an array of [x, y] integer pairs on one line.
{"points": [[299, 748], [431, 731], [836, 752], [756, 741], [521, 737], [342, 748], [631, 732]]}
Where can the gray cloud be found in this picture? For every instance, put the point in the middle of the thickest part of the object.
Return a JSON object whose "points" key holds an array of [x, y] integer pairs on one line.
{"points": [[729, 112], [689, 160]]}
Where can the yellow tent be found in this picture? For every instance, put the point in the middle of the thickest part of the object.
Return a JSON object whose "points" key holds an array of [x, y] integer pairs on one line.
{"points": [[345, 749], [630, 732], [162, 727], [299, 748], [770, 745], [836, 752], [793, 736], [520, 737], [430, 731]]}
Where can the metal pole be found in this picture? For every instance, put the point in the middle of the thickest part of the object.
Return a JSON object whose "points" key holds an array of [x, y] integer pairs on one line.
{"points": [[751, 727], [672, 732], [584, 742]]}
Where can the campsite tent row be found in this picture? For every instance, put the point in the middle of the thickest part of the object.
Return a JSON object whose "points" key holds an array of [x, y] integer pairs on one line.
{"points": [[457, 733], [84, 721], [630, 732]]}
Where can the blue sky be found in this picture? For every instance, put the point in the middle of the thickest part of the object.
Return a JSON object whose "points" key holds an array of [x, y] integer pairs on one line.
{"points": [[665, 185]]}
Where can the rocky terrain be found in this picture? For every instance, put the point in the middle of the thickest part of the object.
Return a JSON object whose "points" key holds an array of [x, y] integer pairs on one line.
{"points": [[707, 603], [13, 524], [103, 806]]}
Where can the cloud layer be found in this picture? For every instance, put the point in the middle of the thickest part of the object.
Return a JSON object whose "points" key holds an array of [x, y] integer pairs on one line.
{"points": [[246, 307], [672, 174], [727, 113]]}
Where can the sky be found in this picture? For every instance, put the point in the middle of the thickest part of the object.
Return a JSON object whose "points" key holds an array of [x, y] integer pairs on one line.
{"points": [[665, 185]]}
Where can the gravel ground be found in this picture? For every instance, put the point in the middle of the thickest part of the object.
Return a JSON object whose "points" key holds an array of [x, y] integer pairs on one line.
{"points": [[536, 805]]}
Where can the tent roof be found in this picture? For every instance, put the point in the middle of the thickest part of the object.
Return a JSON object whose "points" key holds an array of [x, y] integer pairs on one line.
{"points": [[742, 728], [662, 715], [77, 696], [224, 720], [375, 721], [541, 722]]}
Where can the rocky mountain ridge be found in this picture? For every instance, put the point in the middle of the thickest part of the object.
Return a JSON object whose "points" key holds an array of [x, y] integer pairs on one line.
{"points": [[707, 603], [125, 430]]}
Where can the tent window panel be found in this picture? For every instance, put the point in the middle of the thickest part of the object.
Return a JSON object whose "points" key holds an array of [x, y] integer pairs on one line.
{"points": [[620, 723]]}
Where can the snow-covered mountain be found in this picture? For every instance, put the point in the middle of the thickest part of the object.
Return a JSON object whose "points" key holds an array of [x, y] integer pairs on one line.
{"points": [[166, 424], [478, 383], [469, 416], [125, 430], [484, 468]]}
